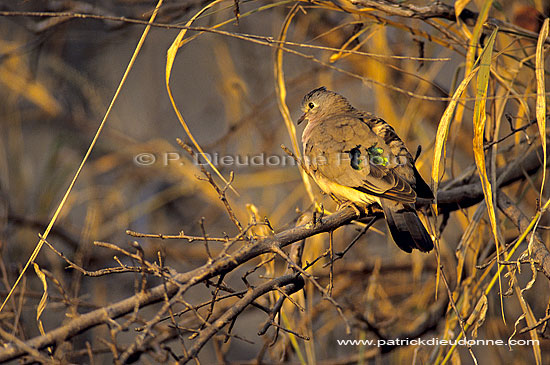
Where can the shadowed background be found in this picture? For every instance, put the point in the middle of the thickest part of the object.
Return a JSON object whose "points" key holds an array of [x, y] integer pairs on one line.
{"points": [[58, 75]]}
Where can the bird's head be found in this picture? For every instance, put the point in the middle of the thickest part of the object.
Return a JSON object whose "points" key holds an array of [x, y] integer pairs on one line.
{"points": [[320, 103]]}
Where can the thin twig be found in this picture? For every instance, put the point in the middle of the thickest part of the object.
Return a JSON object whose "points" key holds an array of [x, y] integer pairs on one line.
{"points": [[181, 235], [221, 191]]}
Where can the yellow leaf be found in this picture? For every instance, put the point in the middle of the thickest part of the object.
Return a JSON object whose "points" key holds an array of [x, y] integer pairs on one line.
{"points": [[531, 322], [43, 300], [480, 118], [541, 96], [443, 133], [472, 45], [479, 127], [459, 6], [478, 315]]}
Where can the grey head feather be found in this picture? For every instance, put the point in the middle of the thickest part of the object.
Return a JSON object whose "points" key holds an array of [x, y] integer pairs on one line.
{"points": [[312, 92], [327, 103]]}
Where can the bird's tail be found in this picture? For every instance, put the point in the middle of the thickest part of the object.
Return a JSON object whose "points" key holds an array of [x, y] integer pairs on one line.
{"points": [[407, 230]]}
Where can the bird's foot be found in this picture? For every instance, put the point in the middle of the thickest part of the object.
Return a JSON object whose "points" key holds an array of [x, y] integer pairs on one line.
{"points": [[344, 205], [369, 210], [318, 215]]}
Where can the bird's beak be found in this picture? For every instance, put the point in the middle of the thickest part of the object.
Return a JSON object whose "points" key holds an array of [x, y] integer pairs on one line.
{"points": [[302, 118]]}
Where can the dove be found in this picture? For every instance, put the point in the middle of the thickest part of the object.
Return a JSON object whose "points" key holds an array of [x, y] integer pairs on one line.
{"points": [[358, 159]]}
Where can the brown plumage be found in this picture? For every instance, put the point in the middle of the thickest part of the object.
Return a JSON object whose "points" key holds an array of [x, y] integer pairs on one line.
{"points": [[357, 157]]}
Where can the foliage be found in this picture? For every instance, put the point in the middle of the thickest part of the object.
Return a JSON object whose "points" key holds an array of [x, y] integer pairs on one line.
{"points": [[216, 246]]}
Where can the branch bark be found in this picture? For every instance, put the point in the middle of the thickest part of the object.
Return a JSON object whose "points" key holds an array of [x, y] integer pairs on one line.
{"points": [[440, 10], [448, 200], [538, 251]]}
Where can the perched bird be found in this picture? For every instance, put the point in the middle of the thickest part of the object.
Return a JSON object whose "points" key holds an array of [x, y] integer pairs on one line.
{"points": [[358, 159]]}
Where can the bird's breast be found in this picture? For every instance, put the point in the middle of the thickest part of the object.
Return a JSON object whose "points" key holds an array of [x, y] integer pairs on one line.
{"points": [[344, 193]]}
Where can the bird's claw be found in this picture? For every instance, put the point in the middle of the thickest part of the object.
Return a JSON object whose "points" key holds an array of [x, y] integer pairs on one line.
{"points": [[318, 215], [350, 204]]}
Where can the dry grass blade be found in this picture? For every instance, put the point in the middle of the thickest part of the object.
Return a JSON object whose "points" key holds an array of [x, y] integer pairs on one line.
{"points": [[460, 5], [508, 256], [472, 48], [44, 236], [281, 96], [480, 118], [442, 134], [16, 75], [43, 300], [474, 39], [531, 321], [478, 316], [438, 164], [293, 339], [271, 275], [541, 97], [479, 153], [170, 57]]}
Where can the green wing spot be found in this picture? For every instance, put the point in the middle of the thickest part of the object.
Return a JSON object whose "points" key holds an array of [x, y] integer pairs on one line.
{"points": [[379, 160], [375, 151], [354, 155], [376, 156]]}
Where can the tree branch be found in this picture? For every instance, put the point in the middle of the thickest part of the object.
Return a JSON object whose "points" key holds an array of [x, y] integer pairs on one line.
{"points": [[448, 200]]}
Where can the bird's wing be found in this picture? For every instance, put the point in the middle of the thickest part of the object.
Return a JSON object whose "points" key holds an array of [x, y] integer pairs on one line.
{"points": [[345, 150], [398, 148], [387, 133]]}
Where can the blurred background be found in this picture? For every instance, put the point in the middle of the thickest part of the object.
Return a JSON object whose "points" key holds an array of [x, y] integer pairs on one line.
{"points": [[59, 73]]}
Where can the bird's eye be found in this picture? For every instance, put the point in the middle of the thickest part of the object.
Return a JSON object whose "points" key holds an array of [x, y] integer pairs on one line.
{"points": [[311, 105]]}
